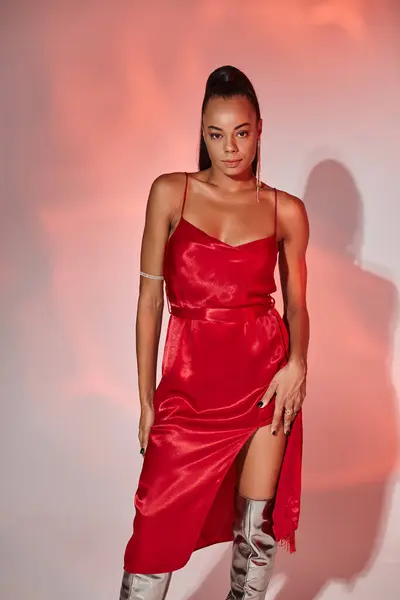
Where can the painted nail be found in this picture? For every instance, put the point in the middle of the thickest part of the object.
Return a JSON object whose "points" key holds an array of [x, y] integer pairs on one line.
{"points": [[274, 432], [141, 450], [260, 403]]}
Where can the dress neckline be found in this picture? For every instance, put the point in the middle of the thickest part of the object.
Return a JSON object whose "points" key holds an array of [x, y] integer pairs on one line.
{"points": [[217, 240]]}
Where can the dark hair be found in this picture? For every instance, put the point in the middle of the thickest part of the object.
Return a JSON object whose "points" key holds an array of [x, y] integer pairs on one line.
{"points": [[226, 82]]}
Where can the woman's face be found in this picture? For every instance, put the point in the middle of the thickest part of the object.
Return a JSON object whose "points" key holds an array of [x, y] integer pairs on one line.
{"points": [[231, 130]]}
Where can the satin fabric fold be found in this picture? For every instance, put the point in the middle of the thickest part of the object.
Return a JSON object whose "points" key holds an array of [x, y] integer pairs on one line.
{"points": [[225, 341]]}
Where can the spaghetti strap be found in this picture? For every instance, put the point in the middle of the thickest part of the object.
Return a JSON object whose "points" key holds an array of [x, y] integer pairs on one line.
{"points": [[185, 194], [276, 211]]}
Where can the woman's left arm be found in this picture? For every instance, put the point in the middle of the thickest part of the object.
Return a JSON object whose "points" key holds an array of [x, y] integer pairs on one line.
{"points": [[289, 383]]}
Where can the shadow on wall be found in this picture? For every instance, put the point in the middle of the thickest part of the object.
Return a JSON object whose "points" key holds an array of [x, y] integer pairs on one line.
{"points": [[350, 412]]}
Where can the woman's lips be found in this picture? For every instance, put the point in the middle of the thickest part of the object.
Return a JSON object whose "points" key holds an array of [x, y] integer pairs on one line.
{"points": [[232, 163]]}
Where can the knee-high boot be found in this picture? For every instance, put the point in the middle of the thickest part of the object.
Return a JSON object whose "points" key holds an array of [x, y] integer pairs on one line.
{"points": [[144, 587], [254, 549]]}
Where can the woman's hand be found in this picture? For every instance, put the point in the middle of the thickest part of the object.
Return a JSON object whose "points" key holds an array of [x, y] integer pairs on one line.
{"points": [[145, 424], [289, 384]]}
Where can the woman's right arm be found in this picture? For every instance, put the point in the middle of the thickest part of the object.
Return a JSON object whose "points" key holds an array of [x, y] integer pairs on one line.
{"points": [[161, 206]]}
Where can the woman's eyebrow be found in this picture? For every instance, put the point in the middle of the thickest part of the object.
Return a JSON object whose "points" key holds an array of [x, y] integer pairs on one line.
{"points": [[220, 128]]}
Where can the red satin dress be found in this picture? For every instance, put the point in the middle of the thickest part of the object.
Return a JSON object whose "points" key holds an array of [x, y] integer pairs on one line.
{"points": [[225, 341]]}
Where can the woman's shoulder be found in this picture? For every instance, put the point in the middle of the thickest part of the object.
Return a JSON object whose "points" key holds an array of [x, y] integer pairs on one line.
{"points": [[289, 203], [285, 200], [292, 214], [290, 208], [165, 194], [169, 182]]}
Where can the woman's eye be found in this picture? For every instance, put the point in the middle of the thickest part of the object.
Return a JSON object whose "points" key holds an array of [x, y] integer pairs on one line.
{"points": [[242, 133], [215, 136]]}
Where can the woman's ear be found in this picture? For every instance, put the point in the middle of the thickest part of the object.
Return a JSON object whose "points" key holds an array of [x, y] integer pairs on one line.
{"points": [[260, 126]]}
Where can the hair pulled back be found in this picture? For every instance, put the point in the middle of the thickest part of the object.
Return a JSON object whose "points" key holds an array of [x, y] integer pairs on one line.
{"points": [[226, 82]]}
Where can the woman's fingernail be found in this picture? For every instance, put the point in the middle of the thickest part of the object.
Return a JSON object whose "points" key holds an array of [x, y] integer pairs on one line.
{"points": [[274, 432], [287, 432], [260, 404], [141, 450]]}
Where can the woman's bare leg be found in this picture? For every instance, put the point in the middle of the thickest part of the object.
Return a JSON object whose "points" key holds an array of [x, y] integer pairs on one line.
{"points": [[259, 464]]}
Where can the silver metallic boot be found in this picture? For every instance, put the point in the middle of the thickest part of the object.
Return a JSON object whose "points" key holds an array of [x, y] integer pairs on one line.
{"points": [[144, 587], [254, 549]]}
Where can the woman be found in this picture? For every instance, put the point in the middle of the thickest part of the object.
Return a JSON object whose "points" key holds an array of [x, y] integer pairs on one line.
{"points": [[221, 434]]}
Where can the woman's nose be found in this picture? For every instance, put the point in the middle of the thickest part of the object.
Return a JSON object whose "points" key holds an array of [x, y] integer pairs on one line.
{"points": [[230, 144]]}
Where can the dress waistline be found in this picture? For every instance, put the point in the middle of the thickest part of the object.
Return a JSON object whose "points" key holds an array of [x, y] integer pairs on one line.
{"points": [[239, 313]]}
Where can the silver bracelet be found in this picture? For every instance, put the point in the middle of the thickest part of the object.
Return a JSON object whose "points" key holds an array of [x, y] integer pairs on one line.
{"points": [[151, 276]]}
